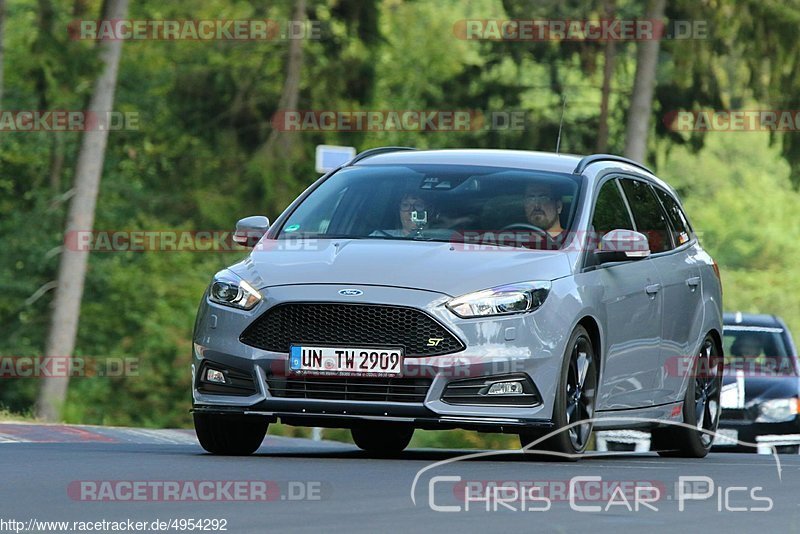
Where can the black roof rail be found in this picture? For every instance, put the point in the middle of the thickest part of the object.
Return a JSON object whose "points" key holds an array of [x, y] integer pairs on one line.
{"points": [[594, 158], [375, 151]]}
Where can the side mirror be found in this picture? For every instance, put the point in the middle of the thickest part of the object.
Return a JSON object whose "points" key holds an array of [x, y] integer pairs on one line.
{"points": [[250, 229], [622, 245]]}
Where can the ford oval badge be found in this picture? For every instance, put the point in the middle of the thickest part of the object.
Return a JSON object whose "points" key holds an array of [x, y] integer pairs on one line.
{"points": [[350, 292]]}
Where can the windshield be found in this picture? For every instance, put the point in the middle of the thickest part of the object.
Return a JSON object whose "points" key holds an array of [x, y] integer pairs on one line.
{"points": [[757, 351], [473, 204]]}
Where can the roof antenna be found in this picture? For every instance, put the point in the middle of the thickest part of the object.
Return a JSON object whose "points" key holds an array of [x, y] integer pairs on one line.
{"points": [[561, 125]]}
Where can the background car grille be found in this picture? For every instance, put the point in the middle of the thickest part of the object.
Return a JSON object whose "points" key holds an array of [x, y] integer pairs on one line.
{"points": [[411, 390], [734, 414], [350, 325]]}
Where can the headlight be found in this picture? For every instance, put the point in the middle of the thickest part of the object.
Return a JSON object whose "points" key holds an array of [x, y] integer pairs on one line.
{"points": [[504, 300], [777, 410], [230, 290]]}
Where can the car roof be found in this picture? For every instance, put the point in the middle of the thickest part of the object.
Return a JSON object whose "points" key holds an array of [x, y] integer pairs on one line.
{"points": [[751, 319], [521, 159]]}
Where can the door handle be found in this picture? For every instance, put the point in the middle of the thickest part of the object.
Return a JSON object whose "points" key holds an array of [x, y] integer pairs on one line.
{"points": [[693, 282], [652, 289]]}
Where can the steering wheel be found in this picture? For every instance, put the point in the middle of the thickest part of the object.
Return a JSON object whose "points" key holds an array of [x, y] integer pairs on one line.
{"points": [[527, 226]]}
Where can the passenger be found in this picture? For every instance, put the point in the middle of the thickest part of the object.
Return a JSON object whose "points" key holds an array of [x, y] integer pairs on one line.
{"points": [[413, 211], [413, 214]]}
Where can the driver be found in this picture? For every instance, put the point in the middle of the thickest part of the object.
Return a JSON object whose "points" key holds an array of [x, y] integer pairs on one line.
{"points": [[747, 346], [543, 209], [746, 351]]}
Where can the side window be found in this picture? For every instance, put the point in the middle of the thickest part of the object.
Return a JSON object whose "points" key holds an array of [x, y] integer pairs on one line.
{"points": [[680, 225], [610, 212], [648, 214]]}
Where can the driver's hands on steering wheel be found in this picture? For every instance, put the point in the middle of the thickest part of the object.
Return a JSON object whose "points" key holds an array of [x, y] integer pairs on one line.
{"points": [[549, 240]]}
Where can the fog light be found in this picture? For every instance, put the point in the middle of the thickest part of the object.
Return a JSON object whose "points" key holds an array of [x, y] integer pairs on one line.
{"points": [[505, 388], [212, 375]]}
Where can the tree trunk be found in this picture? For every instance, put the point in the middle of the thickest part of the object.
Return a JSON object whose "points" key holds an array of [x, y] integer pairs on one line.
{"points": [[2, 46], [641, 105], [291, 86], [73, 263], [56, 163], [609, 60], [279, 144]]}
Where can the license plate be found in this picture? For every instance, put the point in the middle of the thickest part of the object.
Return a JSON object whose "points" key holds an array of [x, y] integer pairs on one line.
{"points": [[726, 437], [346, 361]]}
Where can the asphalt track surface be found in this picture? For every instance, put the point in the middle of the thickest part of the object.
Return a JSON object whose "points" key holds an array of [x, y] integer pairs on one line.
{"points": [[332, 487]]}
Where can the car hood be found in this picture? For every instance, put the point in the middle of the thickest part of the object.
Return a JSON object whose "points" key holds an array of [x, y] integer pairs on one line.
{"points": [[434, 266], [757, 390]]}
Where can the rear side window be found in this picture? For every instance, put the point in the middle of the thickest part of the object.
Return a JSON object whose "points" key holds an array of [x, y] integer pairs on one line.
{"points": [[648, 214], [610, 212], [680, 225]]}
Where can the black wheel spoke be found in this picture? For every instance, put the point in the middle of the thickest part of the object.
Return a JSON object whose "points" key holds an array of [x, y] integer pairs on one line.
{"points": [[571, 409], [580, 391], [707, 391], [699, 411], [713, 409], [580, 434], [712, 388], [572, 379], [583, 361], [587, 408]]}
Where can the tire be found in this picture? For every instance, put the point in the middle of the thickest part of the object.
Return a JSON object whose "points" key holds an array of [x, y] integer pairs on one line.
{"points": [[701, 409], [575, 401], [382, 438], [230, 435]]}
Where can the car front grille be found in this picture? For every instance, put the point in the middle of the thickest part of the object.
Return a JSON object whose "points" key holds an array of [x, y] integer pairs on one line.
{"points": [[407, 390], [352, 325]]}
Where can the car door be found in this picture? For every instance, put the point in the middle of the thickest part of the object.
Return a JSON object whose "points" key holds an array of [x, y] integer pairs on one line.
{"points": [[683, 301], [631, 306]]}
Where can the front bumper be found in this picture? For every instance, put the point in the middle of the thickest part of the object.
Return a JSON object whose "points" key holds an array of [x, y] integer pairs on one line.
{"points": [[530, 345]]}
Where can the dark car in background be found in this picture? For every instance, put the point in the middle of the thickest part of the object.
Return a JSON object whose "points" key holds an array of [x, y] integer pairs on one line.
{"points": [[761, 385]]}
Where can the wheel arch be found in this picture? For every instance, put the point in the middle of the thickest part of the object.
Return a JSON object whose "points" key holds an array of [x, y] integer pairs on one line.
{"points": [[593, 328], [717, 336]]}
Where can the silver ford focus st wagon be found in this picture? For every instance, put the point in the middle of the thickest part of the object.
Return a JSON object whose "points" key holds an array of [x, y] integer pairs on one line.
{"points": [[505, 291]]}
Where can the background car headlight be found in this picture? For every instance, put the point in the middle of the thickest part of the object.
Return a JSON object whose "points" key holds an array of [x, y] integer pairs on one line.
{"points": [[777, 410], [503, 300], [230, 290]]}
